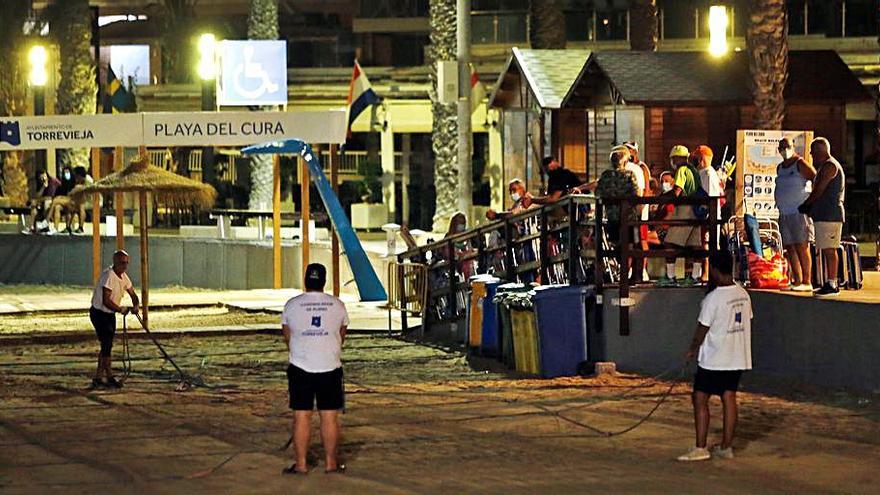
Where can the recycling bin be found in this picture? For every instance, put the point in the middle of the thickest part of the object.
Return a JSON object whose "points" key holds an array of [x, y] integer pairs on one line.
{"points": [[526, 347], [475, 314], [490, 340], [562, 328], [505, 297]]}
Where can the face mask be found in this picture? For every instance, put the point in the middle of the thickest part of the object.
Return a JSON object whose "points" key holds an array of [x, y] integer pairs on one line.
{"points": [[460, 228], [666, 187], [66, 175], [787, 153], [515, 196]]}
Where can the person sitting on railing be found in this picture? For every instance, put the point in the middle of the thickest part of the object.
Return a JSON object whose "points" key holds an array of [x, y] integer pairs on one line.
{"points": [[614, 183], [685, 185], [659, 212], [458, 225], [522, 201]]}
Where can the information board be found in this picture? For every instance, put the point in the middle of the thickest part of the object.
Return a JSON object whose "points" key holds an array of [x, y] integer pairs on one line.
{"points": [[757, 159]]}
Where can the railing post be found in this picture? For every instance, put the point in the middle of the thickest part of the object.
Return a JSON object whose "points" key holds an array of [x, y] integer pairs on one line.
{"points": [[598, 237], [543, 248], [453, 280], [574, 253], [508, 250], [623, 291]]}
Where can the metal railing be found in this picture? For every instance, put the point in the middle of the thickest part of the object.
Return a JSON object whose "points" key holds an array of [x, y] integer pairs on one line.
{"points": [[535, 246]]}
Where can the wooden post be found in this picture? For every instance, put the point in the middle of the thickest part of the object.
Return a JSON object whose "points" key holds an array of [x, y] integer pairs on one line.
{"points": [[304, 212], [334, 239], [145, 259], [276, 221], [96, 217], [119, 200]]}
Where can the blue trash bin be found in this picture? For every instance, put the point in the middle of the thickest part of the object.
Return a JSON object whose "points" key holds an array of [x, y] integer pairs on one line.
{"points": [[490, 343], [562, 327]]}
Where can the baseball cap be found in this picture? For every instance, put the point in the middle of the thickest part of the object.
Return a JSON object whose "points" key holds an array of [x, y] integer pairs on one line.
{"points": [[316, 276]]}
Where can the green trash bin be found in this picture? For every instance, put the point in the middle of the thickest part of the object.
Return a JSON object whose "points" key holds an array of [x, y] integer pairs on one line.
{"points": [[508, 295]]}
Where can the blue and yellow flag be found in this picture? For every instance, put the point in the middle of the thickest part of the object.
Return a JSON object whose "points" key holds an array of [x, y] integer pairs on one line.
{"points": [[117, 99]]}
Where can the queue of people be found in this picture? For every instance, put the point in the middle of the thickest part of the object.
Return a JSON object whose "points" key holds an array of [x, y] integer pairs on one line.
{"points": [[810, 201]]}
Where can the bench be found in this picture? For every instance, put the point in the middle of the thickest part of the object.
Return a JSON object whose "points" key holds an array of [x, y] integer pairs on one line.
{"points": [[224, 219]]}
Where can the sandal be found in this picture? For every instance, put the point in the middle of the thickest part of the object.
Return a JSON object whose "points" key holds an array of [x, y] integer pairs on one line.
{"points": [[340, 469], [292, 470]]}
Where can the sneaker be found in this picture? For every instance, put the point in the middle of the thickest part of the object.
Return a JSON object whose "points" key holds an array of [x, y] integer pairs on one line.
{"points": [[78, 231], [665, 281], [696, 454], [720, 453], [689, 282], [827, 290], [802, 288], [113, 383]]}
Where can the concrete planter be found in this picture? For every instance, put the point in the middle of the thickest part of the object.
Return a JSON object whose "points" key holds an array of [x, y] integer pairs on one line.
{"points": [[366, 216]]}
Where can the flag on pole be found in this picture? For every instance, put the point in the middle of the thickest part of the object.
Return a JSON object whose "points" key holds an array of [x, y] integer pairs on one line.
{"points": [[117, 98], [360, 94], [478, 90]]}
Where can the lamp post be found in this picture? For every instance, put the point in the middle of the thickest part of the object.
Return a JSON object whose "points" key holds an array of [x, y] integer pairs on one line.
{"points": [[38, 77], [208, 75], [718, 23]]}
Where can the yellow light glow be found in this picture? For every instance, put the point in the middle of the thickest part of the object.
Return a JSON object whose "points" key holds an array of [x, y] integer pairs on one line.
{"points": [[207, 62], [718, 22], [38, 58]]}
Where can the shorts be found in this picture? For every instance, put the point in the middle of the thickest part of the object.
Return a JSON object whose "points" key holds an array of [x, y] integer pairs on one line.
{"points": [[308, 388], [105, 329], [716, 382], [796, 229], [681, 235], [828, 234]]}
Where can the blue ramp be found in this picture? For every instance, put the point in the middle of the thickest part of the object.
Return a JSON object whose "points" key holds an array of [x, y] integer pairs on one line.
{"points": [[368, 284]]}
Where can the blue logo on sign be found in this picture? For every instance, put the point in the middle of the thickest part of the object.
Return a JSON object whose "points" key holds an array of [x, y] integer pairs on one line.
{"points": [[253, 73], [10, 133], [316, 321]]}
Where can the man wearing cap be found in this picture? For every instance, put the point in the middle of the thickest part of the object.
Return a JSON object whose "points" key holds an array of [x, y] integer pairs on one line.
{"points": [[314, 326], [106, 302], [686, 184]]}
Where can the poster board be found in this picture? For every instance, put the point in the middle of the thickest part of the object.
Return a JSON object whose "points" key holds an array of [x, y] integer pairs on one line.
{"points": [[757, 159]]}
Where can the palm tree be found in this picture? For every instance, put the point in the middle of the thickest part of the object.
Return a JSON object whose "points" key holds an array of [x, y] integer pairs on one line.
{"points": [[643, 28], [547, 24], [13, 92], [767, 42], [262, 25], [178, 17], [77, 89], [877, 101], [444, 137]]}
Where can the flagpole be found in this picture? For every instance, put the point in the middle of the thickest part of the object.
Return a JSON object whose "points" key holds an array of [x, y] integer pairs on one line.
{"points": [[463, 49]]}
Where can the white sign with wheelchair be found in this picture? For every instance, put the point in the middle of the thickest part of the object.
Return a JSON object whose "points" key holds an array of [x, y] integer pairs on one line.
{"points": [[253, 72]]}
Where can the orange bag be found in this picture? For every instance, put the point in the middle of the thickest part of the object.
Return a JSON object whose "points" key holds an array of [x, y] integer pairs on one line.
{"points": [[768, 274]]}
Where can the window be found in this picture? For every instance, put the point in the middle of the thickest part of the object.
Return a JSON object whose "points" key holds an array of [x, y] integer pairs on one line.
{"points": [[611, 25], [860, 18], [578, 25], [678, 19]]}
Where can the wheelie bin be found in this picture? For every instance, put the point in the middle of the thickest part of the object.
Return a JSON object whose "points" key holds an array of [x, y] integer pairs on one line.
{"points": [[562, 328]]}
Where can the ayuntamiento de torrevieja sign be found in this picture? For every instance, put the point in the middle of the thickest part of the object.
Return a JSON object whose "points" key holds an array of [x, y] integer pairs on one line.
{"points": [[170, 129]]}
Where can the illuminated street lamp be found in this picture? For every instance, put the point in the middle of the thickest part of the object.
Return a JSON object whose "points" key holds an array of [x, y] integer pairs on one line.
{"points": [[718, 22], [208, 74], [38, 77]]}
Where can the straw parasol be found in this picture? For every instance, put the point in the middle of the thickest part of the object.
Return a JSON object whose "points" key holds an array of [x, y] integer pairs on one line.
{"points": [[167, 188]]}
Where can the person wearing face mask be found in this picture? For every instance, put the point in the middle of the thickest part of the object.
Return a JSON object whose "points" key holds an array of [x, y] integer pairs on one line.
{"points": [[794, 178], [685, 185], [61, 203]]}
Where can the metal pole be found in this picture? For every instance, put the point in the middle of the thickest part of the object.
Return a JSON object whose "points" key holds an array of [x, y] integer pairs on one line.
{"points": [[40, 110], [334, 238], [463, 48], [209, 175]]}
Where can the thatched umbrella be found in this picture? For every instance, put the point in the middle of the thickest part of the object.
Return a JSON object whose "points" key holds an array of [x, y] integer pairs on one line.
{"points": [[167, 187]]}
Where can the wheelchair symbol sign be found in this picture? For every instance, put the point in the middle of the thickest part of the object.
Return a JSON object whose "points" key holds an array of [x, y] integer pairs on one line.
{"points": [[253, 73]]}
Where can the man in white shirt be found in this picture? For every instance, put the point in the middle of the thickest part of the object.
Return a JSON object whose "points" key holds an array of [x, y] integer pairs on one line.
{"points": [[106, 302], [640, 233], [314, 326], [722, 345]]}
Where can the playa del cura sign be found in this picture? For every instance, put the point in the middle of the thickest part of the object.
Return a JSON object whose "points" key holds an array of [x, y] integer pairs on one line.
{"points": [[170, 129]]}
